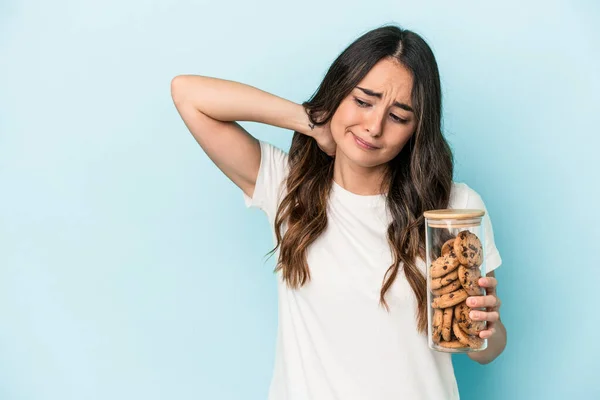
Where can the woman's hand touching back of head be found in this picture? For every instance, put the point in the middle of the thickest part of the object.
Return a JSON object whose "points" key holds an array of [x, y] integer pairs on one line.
{"points": [[322, 134]]}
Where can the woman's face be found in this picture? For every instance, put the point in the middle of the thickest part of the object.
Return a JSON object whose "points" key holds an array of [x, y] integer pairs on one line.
{"points": [[374, 122]]}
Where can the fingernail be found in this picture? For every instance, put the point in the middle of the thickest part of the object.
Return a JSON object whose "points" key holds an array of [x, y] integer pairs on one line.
{"points": [[474, 315], [472, 301]]}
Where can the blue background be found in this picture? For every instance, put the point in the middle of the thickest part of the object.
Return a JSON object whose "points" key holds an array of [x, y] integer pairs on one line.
{"points": [[129, 266]]}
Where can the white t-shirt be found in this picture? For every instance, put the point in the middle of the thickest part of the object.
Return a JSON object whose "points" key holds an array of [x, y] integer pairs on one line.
{"points": [[335, 342]]}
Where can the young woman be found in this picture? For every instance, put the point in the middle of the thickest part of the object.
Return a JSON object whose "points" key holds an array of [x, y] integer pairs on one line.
{"points": [[346, 205]]}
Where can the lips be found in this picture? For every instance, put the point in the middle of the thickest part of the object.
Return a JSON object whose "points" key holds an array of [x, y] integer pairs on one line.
{"points": [[364, 144]]}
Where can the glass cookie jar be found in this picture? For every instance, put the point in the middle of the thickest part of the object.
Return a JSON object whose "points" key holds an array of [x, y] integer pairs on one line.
{"points": [[455, 262]]}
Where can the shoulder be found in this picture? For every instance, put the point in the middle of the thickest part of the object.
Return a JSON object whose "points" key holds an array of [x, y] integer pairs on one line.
{"points": [[464, 196], [272, 155], [270, 181]]}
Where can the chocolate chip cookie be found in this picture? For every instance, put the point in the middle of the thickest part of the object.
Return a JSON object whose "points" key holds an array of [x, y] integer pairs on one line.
{"points": [[447, 323], [467, 247], [443, 265], [453, 344], [449, 299], [436, 325], [469, 278], [461, 315], [451, 287], [444, 280], [448, 246], [473, 342]]}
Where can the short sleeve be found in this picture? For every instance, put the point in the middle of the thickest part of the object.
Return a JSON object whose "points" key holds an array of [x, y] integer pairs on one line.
{"points": [[465, 197], [270, 181]]}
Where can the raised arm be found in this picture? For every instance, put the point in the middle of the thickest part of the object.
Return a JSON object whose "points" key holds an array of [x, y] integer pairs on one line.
{"points": [[209, 108]]}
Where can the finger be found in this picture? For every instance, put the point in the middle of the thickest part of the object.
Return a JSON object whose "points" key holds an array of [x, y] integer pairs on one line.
{"points": [[489, 330], [491, 316], [487, 333], [488, 282], [483, 301]]}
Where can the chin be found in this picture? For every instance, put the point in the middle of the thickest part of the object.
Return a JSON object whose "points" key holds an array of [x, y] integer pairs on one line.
{"points": [[361, 158]]}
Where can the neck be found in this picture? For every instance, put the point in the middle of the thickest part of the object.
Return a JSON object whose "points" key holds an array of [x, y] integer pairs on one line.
{"points": [[359, 180]]}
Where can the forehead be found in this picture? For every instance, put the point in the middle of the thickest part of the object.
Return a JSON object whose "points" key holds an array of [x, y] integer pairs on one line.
{"points": [[390, 78]]}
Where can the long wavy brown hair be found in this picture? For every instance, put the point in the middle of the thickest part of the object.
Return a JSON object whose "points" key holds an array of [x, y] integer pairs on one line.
{"points": [[419, 178]]}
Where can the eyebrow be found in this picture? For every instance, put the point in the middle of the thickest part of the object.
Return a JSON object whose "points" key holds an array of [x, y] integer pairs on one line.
{"points": [[379, 95]]}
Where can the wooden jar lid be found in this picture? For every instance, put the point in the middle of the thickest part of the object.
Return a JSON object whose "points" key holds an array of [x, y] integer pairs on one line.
{"points": [[453, 218], [453, 214]]}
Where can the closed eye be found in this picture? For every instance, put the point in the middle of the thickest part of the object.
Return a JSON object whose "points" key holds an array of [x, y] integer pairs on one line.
{"points": [[361, 103], [364, 104], [398, 119]]}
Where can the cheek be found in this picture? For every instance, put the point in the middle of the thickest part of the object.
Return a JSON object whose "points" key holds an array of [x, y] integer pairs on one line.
{"points": [[344, 117], [399, 142], [402, 141]]}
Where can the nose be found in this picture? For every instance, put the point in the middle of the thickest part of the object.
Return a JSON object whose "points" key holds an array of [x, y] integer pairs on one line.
{"points": [[373, 124]]}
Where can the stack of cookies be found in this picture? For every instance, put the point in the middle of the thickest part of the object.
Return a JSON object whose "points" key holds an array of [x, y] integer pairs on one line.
{"points": [[453, 277]]}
